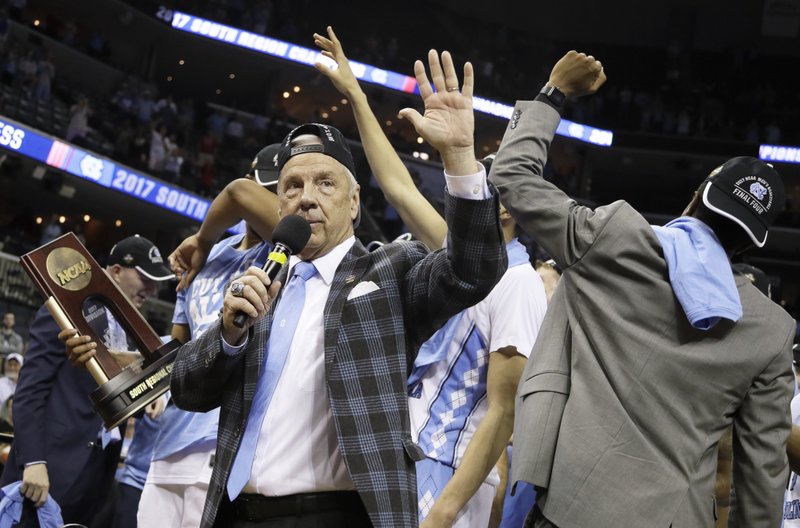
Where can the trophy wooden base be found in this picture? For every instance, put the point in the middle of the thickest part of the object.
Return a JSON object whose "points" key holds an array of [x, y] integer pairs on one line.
{"points": [[129, 392]]}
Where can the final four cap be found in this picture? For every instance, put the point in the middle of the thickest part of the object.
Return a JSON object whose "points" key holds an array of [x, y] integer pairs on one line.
{"points": [[265, 166], [333, 145], [747, 191], [138, 252]]}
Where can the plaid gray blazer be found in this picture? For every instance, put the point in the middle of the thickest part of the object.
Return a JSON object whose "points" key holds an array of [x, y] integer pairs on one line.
{"points": [[370, 345]]}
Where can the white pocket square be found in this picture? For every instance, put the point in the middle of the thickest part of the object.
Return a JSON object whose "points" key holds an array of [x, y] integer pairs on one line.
{"points": [[362, 288]]}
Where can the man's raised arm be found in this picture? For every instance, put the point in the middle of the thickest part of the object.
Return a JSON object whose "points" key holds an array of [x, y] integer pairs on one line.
{"points": [[565, 229], [445, 282]]}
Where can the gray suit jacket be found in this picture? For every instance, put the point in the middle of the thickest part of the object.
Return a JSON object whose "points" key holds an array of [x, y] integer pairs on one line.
{"points": [[370, 345], [623, 403]]}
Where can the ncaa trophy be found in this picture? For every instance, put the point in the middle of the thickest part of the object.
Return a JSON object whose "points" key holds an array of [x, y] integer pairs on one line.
{"points": [[69, 279]]}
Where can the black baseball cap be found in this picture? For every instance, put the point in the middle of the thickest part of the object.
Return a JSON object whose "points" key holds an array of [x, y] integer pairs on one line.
{"points": [[333, 145], [138, 252], [747, 191], [265, 165]]}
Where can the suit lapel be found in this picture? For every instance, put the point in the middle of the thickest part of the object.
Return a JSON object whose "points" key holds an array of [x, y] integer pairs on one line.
{"points": [[348, 274]]}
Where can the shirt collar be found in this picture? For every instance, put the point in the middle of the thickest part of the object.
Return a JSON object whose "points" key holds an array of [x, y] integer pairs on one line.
{"points": [[327, 264]]}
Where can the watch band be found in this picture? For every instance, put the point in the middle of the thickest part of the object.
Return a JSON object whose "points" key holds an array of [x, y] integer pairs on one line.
{"points": [[554, 95]]}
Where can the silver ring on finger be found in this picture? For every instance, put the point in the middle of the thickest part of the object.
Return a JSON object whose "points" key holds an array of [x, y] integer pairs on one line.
{"points": [[237, 289]]}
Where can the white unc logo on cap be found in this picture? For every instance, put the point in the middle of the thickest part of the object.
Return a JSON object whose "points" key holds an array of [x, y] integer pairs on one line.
{"points": [[154, 255], [758, 190]]}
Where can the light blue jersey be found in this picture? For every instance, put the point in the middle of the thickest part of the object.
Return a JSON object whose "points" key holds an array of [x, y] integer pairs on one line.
{"points": [[198, 307], [448, 386], [145, 431]]}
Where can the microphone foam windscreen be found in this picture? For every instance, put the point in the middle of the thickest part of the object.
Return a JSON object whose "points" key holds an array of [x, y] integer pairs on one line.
{"points": [[293, 232]]}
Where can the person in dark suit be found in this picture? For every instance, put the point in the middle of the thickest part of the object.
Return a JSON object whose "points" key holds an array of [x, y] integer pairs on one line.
{"points": [[59, 443], [314, 421]]}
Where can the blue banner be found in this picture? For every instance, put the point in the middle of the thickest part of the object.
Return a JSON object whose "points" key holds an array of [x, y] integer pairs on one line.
{"points": [[101, 170], [20, 139], [779, 153], [363, 72]]}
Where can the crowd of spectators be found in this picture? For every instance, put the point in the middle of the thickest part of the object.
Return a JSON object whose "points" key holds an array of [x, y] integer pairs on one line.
{"points": [[202, 146], [679, 91], [735, 95], [186, 141], [31, 69], [12, 348]]}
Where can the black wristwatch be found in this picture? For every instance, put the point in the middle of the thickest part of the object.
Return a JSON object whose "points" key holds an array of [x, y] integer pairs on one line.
{"points": [[555, 96]]}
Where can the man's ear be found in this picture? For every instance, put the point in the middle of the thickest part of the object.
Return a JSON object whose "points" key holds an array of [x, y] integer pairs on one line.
{"points": [[114, 272], [355, 203]]}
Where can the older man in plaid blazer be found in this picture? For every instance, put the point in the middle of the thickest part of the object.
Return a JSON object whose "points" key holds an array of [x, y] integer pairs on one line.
{"points": [[334, 447]]}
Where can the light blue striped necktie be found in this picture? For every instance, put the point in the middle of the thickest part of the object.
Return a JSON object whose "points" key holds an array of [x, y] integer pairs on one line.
{"points": [[284, 323]]}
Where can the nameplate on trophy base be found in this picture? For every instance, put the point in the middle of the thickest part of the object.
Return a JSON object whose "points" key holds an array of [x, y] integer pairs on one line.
{"points": [[79, 294]]}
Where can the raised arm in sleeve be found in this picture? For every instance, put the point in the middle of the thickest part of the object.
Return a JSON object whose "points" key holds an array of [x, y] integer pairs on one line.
{"points": [[564, 228], [452, 279]]}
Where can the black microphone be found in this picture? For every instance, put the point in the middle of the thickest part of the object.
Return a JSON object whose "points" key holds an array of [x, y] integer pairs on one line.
{"points": [[290, 236]]}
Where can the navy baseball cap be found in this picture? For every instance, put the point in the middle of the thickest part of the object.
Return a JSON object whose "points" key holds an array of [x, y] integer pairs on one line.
{"points": [[747, 191], [265, 165], [333, 145], [138, 252]]}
